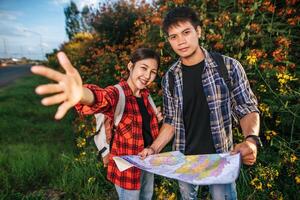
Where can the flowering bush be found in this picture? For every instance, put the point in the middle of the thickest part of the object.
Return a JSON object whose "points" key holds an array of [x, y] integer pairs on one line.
{"points": [[262, 34]]}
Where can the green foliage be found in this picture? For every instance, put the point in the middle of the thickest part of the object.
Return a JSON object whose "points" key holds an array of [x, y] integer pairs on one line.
{"points": [[115, 22], [263, 35]]}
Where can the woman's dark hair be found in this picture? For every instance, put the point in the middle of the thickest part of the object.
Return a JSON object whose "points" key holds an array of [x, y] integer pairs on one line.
{"points": [[144, 53], [180, 14]]}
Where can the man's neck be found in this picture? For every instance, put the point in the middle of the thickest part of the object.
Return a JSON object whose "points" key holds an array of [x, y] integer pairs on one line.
{"points": [[193, 59]]}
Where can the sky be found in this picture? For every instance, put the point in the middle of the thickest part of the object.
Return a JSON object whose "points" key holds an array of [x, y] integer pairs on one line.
{"points": [[31, 28]]}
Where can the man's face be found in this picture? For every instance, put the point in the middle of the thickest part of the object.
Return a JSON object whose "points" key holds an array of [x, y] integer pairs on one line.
{"points": [[183, 38]]}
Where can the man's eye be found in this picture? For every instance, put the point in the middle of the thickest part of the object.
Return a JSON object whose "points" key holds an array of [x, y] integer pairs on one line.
{"points": [[172, 37], [186, 32]]}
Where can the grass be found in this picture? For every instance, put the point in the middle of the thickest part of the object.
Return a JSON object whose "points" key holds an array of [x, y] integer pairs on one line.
{"points": [[37, 153]]}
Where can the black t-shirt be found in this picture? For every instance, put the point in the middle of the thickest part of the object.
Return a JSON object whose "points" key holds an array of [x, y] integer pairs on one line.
{"points": [[146, 122], [196, 116]]}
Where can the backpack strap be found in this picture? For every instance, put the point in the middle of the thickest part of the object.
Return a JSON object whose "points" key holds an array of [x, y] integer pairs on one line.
{"points": [[120, 105], [171, 83], [100, 137], [152, 104], [218, 58]]}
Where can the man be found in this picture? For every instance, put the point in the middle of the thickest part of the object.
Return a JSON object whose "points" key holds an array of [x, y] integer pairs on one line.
{"points": [[198, 104]]}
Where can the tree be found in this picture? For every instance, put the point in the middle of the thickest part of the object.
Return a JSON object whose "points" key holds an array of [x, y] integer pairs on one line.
{"points": [[72, 20]]}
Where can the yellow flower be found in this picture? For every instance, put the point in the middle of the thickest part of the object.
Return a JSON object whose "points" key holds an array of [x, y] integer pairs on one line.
{"points": [[278, 121], [269, 185], [262, 88], [81, 142], [270, 134], [293, 158], [297, 179], [172, 197], [83, 36], [91, 180], [256, 183], [283, 79], [264, 108], [82, 154], [252, 59]]}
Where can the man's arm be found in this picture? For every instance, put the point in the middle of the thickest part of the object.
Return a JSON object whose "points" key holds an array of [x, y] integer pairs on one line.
{"points": [[248, 149], [245, 108], [166, 133], [250, 124]]}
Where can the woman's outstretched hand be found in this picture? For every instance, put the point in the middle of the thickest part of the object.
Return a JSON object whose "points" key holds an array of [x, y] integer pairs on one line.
{"points": [[67, 90]]}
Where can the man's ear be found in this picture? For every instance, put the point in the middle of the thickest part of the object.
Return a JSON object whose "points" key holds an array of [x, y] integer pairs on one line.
{"points": [[130, 66], [198, 29]]}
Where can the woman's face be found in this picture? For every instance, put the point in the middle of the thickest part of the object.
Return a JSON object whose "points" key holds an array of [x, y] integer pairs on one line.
{"points": [[142, 73]]}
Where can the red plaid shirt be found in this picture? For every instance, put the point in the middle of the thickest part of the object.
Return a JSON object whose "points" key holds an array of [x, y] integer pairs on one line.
{"points": [[128, 137]]}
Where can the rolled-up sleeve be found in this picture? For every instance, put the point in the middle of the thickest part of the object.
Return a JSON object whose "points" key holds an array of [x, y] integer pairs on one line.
{"points": [[105, 101], [168, 104], [244, 100]]}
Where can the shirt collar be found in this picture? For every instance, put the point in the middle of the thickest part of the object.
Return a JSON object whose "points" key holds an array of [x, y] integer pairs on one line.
{"points": [[177, 66], [128, 92]]}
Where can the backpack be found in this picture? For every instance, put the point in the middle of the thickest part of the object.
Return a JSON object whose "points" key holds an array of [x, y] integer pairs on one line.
{"points": [[102, 127], [218, 58]]}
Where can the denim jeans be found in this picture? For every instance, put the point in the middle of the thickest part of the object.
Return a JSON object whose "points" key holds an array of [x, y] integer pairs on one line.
{"points": [[218, 192], [145, 193]]}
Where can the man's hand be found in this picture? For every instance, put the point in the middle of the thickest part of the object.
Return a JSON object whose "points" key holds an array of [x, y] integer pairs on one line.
{"points": [[67, 91], [248, 152], [146, 152]]}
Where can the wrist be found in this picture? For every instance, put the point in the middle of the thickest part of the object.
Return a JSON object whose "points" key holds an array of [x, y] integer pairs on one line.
{"points": [[87, 96], [254, 139], [152, 149]]}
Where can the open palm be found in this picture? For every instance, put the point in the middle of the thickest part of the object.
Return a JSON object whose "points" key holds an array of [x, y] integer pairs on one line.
{"points": [[67, 91]]}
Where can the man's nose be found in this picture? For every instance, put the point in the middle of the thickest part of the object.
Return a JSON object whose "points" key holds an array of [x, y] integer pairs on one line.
{"points": [[181, 39]]}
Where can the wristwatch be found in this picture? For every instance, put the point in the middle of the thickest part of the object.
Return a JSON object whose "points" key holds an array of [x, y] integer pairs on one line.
{"points": [[257, 140]]}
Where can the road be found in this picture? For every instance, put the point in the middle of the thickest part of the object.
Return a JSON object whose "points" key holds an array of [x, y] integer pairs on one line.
{"points": [[10, 74]]}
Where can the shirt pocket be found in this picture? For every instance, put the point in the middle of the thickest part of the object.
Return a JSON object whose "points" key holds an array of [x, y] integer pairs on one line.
{"points": [[125, 127], [222, 91]]}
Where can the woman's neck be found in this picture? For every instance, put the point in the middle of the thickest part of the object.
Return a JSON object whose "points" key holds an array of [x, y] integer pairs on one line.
{"points": [[135, 91]]}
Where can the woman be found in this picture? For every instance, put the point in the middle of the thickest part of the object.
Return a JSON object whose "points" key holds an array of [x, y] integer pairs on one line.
{"points": [[138, 127]]}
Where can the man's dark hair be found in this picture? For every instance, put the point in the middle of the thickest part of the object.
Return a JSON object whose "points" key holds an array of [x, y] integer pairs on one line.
{"points": [[180, 14], [144, 53]]}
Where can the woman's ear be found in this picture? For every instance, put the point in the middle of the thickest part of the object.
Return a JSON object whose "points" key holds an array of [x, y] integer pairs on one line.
{"points": [[130, 66], [199, 31]]}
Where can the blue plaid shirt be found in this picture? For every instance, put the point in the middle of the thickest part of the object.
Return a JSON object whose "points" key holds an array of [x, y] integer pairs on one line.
{"points": [[222, 104]]}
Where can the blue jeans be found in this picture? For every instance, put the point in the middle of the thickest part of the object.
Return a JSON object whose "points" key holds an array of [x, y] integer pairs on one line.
{"points": [[145, 193], [218, 192]]}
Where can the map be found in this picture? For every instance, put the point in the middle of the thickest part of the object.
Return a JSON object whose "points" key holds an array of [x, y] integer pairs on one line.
{"points": [[195, 169]]}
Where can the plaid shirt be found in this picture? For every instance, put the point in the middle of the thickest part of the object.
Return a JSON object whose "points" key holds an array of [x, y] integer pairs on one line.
{"points": [[222, 105], [128, 136]]}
